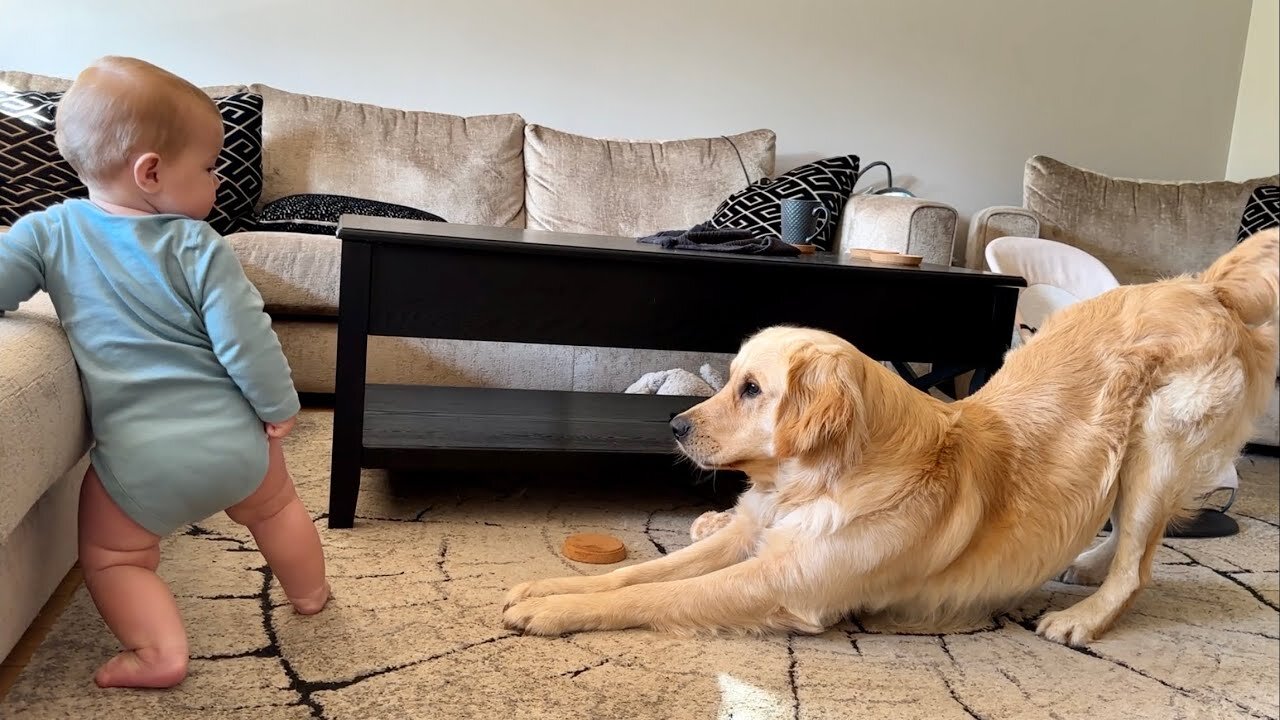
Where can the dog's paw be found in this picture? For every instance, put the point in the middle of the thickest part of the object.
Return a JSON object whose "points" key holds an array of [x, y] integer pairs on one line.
{"points": [[1083, 574], [518, 593], [1069, 627], [527, 616], [558, 586], [708, 523], [551, 615]]}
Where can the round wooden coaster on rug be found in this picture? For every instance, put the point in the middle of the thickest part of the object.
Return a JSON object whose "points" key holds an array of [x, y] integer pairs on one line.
{"points": [[594, 548]]}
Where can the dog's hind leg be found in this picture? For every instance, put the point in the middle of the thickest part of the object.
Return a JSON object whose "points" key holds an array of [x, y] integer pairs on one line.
{"points": [[1138, 522], [1091, 566]]}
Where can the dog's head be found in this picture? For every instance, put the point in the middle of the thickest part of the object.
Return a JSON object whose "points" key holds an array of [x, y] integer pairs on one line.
{"points": [[792, 393]]}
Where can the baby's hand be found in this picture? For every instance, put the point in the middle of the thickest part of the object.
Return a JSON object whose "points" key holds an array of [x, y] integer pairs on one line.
{"points": [[280, 429]]}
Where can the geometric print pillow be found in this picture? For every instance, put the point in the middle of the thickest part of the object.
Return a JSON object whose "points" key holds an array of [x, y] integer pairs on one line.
{"points": [[1261, 212], [239, 164], [34, 176], [758, 207]]}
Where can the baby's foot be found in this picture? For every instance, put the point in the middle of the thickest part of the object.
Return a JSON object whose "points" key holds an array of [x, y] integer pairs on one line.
{"points": [[143, 668], [313, 603]]}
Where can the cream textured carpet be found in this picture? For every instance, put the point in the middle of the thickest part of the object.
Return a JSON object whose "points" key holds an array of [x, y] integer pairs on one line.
{"points": [[414, 630]]}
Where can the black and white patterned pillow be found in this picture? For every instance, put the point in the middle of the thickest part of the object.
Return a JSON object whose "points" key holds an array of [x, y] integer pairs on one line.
{"points": [[34, 175], [758, 207], [239, 163], [1262, 212], [318, 214]]}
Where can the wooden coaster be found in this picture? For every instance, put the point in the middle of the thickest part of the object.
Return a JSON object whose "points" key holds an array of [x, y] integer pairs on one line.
{"points": [[594, 548], [862, 253], [806, 249], [893, 258]]}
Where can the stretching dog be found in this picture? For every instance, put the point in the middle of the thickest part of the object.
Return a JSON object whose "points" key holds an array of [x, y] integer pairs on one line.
{"points": [[870, 497]]}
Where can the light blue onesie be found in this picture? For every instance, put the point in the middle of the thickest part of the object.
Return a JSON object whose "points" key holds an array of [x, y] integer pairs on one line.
{"points": [[178, 361]]}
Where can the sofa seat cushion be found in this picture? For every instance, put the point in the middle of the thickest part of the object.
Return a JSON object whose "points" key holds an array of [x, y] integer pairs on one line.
{"points": [[618, 187], [466, 169], [296, 273], [43, 422], [1137, 228]]}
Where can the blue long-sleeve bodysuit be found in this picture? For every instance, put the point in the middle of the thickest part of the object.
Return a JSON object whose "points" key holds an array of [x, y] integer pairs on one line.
{"points": [[178, 361]]}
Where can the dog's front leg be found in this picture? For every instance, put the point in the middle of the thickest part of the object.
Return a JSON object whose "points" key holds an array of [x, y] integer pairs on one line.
{"points": [[746, 597], [732, 544]]}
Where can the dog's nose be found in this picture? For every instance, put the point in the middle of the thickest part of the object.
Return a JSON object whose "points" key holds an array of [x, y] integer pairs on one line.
{"points": [[681, 426]]}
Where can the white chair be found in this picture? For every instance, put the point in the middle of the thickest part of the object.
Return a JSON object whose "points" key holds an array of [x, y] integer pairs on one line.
{"points": [[1058, 275]]}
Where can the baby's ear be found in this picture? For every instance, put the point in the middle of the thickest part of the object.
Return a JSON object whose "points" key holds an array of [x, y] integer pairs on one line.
{"points": [[822, 409], [146, 173]]}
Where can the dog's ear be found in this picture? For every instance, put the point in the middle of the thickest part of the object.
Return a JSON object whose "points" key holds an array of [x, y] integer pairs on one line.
{"points": [[822, 410]]}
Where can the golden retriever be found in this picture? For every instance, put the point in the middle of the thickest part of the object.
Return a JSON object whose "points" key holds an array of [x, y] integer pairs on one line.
{"points": [[870, 497]]}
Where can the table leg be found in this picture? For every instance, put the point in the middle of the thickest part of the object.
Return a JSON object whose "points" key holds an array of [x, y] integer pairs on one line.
{"points": [[940, 377], [1003, 311], [980, 377], [349, 382]]}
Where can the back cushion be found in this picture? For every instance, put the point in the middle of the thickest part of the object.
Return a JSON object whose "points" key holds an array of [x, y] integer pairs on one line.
{"points": [[619, 187], [1141, 230], [465, 169]]}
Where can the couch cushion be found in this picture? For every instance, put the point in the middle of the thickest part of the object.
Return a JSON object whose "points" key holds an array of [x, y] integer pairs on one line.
{"points": [[14, 80], [295, 273], [619, 187], [465, 169], [1141, 230], [42, 415]]}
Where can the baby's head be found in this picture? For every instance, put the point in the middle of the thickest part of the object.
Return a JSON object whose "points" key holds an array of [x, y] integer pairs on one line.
{"points": [[141, 137]]}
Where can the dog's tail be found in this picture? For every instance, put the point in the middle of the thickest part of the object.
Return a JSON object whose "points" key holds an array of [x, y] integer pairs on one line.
{"points": [[1246, 280]]}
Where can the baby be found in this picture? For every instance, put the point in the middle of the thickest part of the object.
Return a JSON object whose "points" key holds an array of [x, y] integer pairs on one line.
{"points": [[188, 392]]}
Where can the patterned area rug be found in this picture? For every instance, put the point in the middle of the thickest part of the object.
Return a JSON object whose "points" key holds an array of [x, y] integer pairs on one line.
{"points": [[414, 629]]}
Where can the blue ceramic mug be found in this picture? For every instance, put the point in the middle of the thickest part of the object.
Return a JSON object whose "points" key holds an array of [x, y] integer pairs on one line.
{"points": [[803, 220]]}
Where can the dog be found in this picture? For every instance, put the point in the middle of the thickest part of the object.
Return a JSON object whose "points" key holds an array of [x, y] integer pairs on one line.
{"points": [[869, 497]]}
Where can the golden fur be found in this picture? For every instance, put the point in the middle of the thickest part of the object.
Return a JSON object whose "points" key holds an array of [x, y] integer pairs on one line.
{"points": [[868, 496]]}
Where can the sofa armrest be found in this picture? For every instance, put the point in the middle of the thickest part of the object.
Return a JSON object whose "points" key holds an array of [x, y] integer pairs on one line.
{"points": [[994, 222], [906, 225]]}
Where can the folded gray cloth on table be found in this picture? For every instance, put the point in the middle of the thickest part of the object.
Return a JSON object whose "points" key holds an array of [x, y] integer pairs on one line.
{"points": [[729, 240]]}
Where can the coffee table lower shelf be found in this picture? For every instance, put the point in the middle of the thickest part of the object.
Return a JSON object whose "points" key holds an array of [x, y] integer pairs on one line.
{"points": [[417, 426]]}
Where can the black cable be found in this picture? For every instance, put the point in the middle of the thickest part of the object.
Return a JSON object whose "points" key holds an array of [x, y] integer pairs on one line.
{"points": [[733, 145]]}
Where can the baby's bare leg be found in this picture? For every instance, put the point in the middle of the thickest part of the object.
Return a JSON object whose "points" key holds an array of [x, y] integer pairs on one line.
{"points": [[285, 535], [119, 559]]}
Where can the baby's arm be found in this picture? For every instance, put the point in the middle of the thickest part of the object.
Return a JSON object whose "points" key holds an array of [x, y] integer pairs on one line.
{"points": [[241, 332], [21, 267]]}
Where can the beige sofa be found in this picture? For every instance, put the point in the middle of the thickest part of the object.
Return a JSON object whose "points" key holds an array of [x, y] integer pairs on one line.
{"points": [[1141, 230], [488, 170]]}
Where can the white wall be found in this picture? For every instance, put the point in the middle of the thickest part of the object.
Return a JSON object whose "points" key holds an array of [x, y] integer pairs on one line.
{"points": [[955, 94], [1255, 136]]}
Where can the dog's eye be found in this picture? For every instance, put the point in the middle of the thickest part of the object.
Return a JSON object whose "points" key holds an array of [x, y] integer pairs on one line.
{"points": [[750, 389]]}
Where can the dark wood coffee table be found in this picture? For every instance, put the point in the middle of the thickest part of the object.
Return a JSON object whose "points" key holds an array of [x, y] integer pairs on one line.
{"points": [[438, 280]]}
